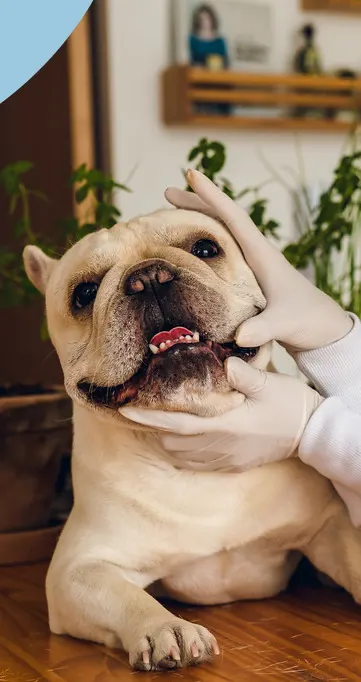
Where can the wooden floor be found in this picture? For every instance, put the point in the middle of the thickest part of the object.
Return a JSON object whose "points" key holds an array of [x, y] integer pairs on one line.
{"points": [[308, 634]]}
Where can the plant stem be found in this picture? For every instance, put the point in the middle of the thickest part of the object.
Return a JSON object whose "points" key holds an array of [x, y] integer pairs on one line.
{"points": [[26, 213]]}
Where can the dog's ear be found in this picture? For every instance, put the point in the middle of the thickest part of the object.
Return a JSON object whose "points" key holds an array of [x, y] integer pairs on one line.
{"points": [[38, 267]]}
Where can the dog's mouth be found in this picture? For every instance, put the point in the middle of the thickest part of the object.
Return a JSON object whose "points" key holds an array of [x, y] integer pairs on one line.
{"points": [[178, 341]]}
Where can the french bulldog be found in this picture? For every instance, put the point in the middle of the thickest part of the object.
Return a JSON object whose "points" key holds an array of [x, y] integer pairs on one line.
{"points": [[146, 312]]}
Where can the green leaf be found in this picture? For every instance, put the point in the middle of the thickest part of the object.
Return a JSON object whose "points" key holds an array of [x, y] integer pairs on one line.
{"points": [[38, 195], [21, 167], [96, 177], [257, 211], [44, 332], [10, 181], [10, 176], [193, 153], [270, 228], [106, 184], [106, 215], [243, 193], [13, 203], [295, 256], [214, 158], [114, 210], [273, 225], [68, 225], [217, 147], [81, 193], [21, 227], [123, 187], [203, 144], [78, 174], [227, 188], [6, 258], [86, 228]]}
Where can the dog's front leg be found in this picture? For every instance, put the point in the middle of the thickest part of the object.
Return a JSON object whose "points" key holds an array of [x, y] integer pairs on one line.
{"points": [[95, 601]]}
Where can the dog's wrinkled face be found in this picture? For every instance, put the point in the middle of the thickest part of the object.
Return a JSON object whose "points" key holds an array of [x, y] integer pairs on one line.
{"points": [[147, 312]]}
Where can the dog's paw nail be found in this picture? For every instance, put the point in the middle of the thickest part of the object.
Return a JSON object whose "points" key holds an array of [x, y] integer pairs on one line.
{"points": [[174, 654], [216, 649], [195, 650], [146, 657]]}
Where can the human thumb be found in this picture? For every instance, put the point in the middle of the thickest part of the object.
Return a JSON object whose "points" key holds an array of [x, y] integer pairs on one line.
{"points": [[256, 331], [244, 378]]}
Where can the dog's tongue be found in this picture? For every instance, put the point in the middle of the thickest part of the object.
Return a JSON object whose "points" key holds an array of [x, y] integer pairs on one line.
{"points": [[172, 335]]}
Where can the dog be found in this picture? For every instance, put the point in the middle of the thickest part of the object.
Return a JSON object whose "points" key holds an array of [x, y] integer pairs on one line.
{"points": [[146, 312]]}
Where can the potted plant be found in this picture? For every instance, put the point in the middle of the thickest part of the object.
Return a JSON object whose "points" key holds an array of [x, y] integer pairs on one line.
{"points": [[35, 421]]}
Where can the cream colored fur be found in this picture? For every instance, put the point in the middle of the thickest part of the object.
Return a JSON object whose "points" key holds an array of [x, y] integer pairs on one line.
{"points": [[138, 522]]}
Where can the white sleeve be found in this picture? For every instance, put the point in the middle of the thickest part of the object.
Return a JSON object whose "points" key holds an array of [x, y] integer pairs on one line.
{"points": [[331, 443], [335, 370]]}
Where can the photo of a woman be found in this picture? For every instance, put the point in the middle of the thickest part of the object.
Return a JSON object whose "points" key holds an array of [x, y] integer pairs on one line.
{"points": [[207, 47]]}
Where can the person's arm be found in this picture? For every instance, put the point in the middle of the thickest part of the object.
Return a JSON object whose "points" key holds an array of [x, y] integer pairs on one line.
{"points": [[335, 370], [278, 417], [331, 444]]}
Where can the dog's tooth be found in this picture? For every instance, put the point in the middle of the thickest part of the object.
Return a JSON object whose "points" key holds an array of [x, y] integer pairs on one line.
{"points": [[162, 346], [196, 336], [188, 338], [168, 342], [154, 349], [180, 338]]}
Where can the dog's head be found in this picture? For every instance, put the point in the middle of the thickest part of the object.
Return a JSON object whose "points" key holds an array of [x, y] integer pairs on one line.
{"points": [[147, 312]]}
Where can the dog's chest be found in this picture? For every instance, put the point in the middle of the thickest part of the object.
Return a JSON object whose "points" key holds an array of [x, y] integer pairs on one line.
{"points": [[178, 522], [158, 523]]}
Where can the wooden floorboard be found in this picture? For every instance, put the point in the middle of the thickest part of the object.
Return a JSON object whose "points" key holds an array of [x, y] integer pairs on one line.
{"points": [[308, 634]]}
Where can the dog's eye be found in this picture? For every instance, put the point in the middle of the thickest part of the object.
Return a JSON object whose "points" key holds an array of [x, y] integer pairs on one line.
{"points": [[84, 294], [205, 248]]}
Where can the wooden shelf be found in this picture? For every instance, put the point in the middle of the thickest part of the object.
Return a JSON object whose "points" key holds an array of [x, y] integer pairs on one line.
{"points": [[268, 123], [185, 88], [347, 6]]}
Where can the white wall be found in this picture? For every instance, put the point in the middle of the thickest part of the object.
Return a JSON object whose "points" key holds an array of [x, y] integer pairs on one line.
{"points": [[138, 52]]}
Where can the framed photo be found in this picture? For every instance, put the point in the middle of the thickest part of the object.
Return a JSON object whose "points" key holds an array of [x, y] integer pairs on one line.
{"points": [[221, 34]]}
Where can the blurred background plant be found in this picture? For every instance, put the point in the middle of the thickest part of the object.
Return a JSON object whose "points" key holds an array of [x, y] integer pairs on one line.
{"points": [[210, 157], [90, 185]]}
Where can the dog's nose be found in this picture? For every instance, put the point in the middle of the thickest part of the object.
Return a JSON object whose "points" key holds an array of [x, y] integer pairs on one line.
{"points": [[151, 276]]}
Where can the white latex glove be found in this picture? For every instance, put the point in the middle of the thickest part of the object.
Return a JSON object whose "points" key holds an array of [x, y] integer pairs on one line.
{"points": [[267, 427], [298, 315]]}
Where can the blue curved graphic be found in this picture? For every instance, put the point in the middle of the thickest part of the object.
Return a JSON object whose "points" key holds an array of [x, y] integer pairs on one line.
{"points": [[31, 31]]}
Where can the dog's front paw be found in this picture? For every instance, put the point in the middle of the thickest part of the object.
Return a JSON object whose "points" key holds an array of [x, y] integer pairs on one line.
{"points": [[173, 644]]}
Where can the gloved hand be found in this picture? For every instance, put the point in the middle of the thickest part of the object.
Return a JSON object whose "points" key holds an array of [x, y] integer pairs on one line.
{"points": [[298, 316], [266, 427]]}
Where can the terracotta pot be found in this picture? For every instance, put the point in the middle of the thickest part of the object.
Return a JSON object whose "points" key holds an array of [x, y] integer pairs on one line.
{"points": [[35, 432], [28, 546]]}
